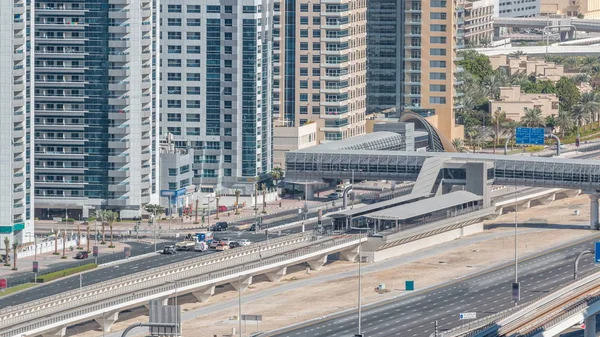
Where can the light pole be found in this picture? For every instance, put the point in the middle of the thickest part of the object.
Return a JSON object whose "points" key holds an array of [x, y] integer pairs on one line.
{"points": [[516, 287], [240, 304], [360, 279]]}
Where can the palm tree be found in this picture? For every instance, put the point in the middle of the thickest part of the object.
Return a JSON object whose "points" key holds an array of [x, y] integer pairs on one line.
{"points": [[498, 118], [564, 121], [7, 247], [111, 217], [533, 117], [570, 62], [590, 104], [237, 202], [510, 129], [15, 245], [459, 145], [100, 214], [277, 174], [590, 64], [494, 82], [580, 116], [517, 54]]}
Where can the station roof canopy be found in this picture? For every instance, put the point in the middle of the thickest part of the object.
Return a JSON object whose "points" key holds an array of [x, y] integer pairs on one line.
{"points": [[425, 206], [378, 206]]}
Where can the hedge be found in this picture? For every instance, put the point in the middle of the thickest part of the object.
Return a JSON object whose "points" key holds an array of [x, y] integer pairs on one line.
{"points": [[62, 273]]}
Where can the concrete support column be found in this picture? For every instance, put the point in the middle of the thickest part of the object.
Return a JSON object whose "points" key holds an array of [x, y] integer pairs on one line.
{"points": [[60, 332], [202, 295], [571, 34], [163, 301], [590, 326], [276, 275], [349, 255], [107, 320], [563, 36], [317, 263], [242, 284], [594, 211]]}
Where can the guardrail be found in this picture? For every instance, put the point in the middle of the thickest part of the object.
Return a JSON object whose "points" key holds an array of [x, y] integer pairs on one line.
{"points": [[266, 249], [135, 292]]}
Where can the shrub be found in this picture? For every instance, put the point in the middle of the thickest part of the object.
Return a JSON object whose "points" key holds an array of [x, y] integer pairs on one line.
{"points": [[66, 272]]}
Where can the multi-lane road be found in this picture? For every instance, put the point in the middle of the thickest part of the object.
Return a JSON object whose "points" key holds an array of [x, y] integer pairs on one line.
{"points": [[109, 272], [486, 293]]}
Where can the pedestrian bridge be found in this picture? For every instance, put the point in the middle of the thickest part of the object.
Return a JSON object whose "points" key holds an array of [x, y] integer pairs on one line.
{"points": [[434, 170], [582, 25]]}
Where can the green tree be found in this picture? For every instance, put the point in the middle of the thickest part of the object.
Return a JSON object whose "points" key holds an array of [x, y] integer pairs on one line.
{"points": [[459, 145], [590, 104], [15, 245], [550, 122], [476, 64], [580, 115], [538, 87], [7, 247], [100, 215], [154, 209], [498, 118], [564, 121], [517, 54], [567, 93], [277, 174], [590, 65], [533, 118], [111, 217]]}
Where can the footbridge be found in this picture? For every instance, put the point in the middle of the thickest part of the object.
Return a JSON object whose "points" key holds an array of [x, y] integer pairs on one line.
{"points": [[436, 172], [51, 316], [574, 305], [567, 24]]}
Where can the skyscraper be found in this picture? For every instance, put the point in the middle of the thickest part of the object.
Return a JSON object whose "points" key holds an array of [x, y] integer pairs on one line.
{"points": [[416, 71], [15, 123], [95, 123], [216, 89], [320, 65]]}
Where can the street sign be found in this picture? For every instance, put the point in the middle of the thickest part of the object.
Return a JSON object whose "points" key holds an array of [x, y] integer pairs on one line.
{"points": [[3, 284], [127, 251], [597, 252], [35, 266], [257, 318], [468, 315], [95, 251], [516, 292], [582, 326], [530, 136], [409, 285]]}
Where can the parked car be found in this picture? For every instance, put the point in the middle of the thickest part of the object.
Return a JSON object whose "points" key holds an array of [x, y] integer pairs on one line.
{"points": [[81, 255], [221, 247], [219, 226], [222, 208], [333, 196], [3, 257], [234, 244], [244, 242], [169, 250]]}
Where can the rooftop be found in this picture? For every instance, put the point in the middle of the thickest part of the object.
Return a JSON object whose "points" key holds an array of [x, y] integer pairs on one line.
{"points": [[425, 206]]}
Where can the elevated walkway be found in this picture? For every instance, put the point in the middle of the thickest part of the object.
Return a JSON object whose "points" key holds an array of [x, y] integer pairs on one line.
{"points": [[582, 25]]}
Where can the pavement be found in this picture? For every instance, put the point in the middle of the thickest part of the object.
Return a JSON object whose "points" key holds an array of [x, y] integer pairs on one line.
{"points": [[103, 274], [485, 294], [48, 260]]}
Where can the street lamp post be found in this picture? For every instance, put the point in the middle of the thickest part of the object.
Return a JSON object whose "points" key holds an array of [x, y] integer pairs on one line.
{"points": [[360, 280]]}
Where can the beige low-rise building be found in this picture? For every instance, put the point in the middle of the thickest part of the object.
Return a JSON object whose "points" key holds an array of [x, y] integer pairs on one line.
{"points": [[590, 9], [515, 103], [290, 138], [530, 66]]}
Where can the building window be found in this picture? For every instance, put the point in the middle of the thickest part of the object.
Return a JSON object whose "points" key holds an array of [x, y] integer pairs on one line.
{"points": [[303, 97], [303, 8], [193, 22], [303, 58], [304, 20], [437, 39], [316, 85], [317, 33], [437, 4], [174, 36], [437, 28], [437, 16], [303, 84], [303, 32], [437, 52], [303, 45], [437, 64], [193, 35], [437, 100], [227, 172], [174, 8], [316, 46], [174, 22], [174, 104], [316, 72], [193, 9], [193, 49], [316, 110], [174, 63], [437, 76], [316, 20], [213, 9], [174, 49], [303, 71], [437, 87], [303, 110]]}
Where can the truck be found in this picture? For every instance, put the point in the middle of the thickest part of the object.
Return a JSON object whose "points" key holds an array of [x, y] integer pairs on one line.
{"points": [[186, 245], [200, 246], [204, 237]]}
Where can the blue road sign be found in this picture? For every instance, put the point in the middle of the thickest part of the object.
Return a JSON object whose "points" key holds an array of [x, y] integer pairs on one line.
{"points": [[530, 136], [597, 253]]}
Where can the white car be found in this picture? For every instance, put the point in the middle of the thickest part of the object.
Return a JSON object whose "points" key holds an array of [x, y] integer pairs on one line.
{"points": [[244, 242]]}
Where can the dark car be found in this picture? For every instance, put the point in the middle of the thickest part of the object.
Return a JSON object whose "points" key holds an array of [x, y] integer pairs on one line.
{"points": [[234, 244], [81, 255], [219, 226], [252, 228]]}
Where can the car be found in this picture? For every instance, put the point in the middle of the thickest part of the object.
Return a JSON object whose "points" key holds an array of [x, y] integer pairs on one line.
{"points": [[225, 241], [81, 255], [234, 244], [213, 244], [221, 247], [244, 242], [169, 250], [219, 226], [222, 208], [333, 196], [252, 228]]}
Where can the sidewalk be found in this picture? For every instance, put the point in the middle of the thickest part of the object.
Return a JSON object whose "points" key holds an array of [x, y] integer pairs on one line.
{"points": [[48, 260]]}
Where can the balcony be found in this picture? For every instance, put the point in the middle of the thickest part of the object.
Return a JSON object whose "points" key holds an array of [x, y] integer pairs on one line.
{"points": [[119, 130], [123, 187], [118, 144], [120, 159]]}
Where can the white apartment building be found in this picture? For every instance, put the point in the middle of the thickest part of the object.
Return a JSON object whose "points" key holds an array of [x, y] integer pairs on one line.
{"points": [[216, 89]]}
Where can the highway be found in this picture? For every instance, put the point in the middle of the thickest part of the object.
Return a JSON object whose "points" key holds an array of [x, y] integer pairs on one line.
{"points": [[486, 293], [103, 274]]}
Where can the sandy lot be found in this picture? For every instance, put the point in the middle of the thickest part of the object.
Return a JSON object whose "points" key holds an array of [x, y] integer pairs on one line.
{"points": [[284, 308]]}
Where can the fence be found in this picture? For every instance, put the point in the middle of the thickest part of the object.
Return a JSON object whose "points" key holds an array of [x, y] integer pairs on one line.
{"points": [[48, 246]]}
